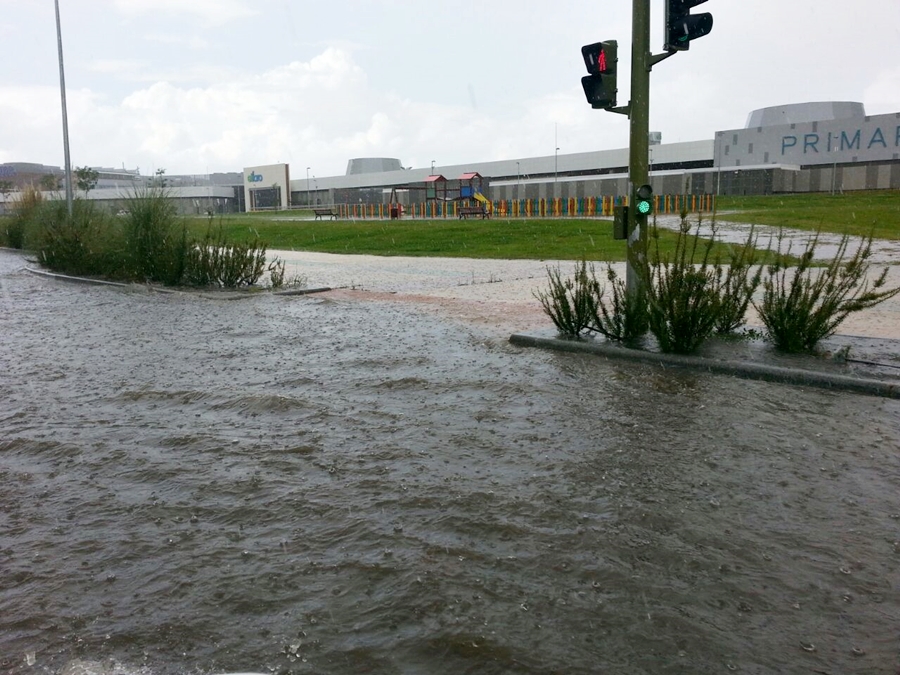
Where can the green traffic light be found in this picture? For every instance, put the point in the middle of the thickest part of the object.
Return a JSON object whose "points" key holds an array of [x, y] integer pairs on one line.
{"points": [[643, 201]]}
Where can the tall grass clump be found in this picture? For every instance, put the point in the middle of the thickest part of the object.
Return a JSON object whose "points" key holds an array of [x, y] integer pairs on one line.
{"points": [[682, 291], [214, 261], [89, 243], [805, 304], [743, 276], [693, 294], [20, 224], [156, 242], [577, 304], [625, 317], [568, 301], [683, 299]]}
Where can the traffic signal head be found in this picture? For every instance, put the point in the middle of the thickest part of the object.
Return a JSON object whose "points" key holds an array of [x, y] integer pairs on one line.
{"points": [[644, 200], [599, 86], [682, 26]]}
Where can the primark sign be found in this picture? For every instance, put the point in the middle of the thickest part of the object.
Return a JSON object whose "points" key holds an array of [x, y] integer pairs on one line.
{"points": [[843, 141], [864, 139]]}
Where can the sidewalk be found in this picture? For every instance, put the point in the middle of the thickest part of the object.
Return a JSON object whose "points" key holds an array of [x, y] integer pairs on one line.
{"points": [[503, 290]]}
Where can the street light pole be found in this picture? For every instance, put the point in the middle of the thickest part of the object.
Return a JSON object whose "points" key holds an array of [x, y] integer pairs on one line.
{"points": [[65, 117], [307, 186], [432, 167]]}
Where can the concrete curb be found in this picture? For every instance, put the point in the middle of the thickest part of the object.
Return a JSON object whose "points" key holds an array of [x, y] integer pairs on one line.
{"points": [[752, 371], [95, 282], [225, 295], [302, 291]]}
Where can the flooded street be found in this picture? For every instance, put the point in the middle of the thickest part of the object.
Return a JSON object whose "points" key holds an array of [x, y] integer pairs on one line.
{"points": [[329, 484]]}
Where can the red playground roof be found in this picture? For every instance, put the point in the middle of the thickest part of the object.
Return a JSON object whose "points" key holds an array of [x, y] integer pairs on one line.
{"points": [[469, 176], [432, 179]]}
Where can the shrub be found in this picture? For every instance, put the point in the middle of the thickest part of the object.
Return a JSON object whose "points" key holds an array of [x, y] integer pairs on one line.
{"points": [[88, 243], [742, 279], [577, 304], [213, 261], [156, 244], [276, 273], [626, 319], [569, 302], [682, 293], [22, 220], [804, 304]]}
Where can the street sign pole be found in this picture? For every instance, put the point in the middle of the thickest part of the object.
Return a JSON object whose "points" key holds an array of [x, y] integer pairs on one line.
{"points": [[639, 143]]}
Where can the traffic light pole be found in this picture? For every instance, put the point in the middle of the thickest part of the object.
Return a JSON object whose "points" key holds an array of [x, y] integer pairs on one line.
{"points": [[639, 142]]}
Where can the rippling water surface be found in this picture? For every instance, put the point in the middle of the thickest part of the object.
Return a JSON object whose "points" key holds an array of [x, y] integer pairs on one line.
{"points": [[311, 485]]}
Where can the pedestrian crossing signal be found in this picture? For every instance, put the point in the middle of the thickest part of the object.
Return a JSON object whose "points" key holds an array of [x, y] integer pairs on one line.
{"points": [[600, 59]]}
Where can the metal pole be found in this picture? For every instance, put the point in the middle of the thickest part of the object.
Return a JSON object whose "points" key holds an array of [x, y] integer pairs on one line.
{"points": [[65, 116], [555, 155], [518, 179], [307, 186], [639, 143]]}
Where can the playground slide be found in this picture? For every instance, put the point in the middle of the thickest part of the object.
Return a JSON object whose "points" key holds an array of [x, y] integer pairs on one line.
{"points": [[485, 202]]}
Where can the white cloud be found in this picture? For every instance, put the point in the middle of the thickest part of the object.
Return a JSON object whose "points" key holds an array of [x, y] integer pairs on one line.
{"points": [[883, 95], [216, 12], [318, 113], [191, 41]]}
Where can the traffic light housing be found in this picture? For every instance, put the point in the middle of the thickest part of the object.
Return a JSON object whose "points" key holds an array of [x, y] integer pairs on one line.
{"points": [[599, 85], [682, 26], [620, 222], [643, 202]]}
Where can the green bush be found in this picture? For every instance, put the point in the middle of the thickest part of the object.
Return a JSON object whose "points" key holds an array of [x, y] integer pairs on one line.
{"points": [[742, 278], [20, 224], [682, 291], [569, 302], [149, 243], [626, 318], [804, 304], [89, 243], [214, 261], [156, 243], [683, 298], [578, 304]]}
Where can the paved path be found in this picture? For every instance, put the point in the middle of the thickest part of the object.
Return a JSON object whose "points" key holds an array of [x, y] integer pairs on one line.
{"points": [[883, 251]]}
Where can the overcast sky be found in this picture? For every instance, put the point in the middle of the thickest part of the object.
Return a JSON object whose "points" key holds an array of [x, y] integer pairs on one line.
{"points": [[199, 86]]}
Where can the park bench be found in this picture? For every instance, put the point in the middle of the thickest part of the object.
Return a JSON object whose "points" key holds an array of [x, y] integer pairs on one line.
{"points": [[323, 213], [466, 211]]}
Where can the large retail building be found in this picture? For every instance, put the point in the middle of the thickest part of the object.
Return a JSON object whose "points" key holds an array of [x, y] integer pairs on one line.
{"points": [[807, 147]]}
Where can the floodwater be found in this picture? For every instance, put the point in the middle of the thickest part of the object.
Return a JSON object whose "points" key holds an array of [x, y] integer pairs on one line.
{"points": [[326, 485]]}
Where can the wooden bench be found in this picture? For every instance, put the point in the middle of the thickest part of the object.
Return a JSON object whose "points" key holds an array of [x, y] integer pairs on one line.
{"points": [[322, 213], [466, 211]]}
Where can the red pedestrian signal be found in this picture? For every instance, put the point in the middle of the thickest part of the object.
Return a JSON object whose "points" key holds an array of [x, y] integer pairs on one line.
{"points": [[599, 86]]}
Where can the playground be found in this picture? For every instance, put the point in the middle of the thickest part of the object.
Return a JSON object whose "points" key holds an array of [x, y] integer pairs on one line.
{"points": [[414, 202]]}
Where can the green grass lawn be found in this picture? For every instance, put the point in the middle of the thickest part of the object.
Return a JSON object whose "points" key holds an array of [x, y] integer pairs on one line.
{"points": [[511, 239], [855, 213]]}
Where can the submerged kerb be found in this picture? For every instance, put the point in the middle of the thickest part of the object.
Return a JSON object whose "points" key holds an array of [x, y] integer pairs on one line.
{"points": [[742, 369]]}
